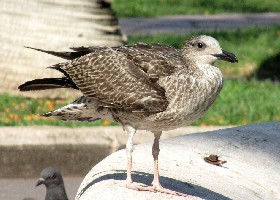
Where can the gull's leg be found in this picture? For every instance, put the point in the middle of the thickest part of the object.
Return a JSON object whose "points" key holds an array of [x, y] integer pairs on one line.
{"points": [[129, 149], [155, 153], [156, 184]]}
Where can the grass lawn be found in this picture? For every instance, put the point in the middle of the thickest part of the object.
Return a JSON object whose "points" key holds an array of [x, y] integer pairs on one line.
{"points": [[252, 46], [152, 8], [240, 102]]}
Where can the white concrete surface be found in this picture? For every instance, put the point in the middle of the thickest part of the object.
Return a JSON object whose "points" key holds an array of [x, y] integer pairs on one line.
{"points": [[252, 170]]}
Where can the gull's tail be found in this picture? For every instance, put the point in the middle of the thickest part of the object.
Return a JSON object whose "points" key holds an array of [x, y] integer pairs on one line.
{"points": [[83, 109]]}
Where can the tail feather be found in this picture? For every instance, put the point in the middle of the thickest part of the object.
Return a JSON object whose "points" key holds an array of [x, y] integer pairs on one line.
{"points": [[47, 83], [82, 109]]}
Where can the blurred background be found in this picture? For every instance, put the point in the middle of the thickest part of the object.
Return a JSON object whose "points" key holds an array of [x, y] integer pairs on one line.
{"points": [[250, 29]]}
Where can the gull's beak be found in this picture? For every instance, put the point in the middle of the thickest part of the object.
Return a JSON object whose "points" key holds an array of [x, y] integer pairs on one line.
{"points": [[227, 56], [40, 182]]}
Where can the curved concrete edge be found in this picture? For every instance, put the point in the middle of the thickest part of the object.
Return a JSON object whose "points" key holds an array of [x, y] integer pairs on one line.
{"points": [[252, 170]]}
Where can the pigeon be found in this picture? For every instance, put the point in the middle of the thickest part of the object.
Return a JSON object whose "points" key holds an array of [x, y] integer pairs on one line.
{"points": [[53, 181], [151, 87]]}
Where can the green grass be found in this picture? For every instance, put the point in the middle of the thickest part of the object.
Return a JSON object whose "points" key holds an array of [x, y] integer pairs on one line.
{"points": [[240, 102], [152, 8], [252, 46]]}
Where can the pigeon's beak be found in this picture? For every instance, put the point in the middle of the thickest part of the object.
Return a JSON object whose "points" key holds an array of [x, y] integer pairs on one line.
{"points": [[227, 56], [40, 181]]}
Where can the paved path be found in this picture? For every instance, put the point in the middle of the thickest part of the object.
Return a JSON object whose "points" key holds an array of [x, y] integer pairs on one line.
{"points": [[183, 24], [18, 189]]}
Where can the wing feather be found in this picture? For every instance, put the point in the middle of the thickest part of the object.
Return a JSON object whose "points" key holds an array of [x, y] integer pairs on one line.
{"points": [[107, 75]]}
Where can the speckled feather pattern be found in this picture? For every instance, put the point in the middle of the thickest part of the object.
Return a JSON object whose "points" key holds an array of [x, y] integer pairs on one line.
{"points": [[152, 87]]}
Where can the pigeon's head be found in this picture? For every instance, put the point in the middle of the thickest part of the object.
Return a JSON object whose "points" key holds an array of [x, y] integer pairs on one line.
{"points": [[206, 50], [50, 177]]}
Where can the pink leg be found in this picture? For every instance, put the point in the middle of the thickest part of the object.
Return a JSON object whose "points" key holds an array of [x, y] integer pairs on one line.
{"points": [[155, 153], [129, 149], [156, 184]]}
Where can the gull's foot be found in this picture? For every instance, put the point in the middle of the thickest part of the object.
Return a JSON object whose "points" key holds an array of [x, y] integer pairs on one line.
{"points": [[139, 187], [154, 188], [167, 191], [158, 188]]}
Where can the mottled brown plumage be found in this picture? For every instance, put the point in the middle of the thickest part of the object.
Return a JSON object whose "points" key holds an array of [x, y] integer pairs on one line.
{"points": [[151, 87]]}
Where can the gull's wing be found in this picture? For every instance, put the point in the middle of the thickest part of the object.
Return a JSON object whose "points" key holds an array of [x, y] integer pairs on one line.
{"points": [[112, 77], [124, 77]]}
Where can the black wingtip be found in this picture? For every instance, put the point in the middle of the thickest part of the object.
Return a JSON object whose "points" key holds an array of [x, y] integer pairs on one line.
{"points": [[31, 48], [65, 55], [24, 87], [47, 83], [33, 86], [41, 50]]}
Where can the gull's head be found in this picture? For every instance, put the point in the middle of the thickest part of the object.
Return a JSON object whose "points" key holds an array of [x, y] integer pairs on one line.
{"points": [[206, 50]]}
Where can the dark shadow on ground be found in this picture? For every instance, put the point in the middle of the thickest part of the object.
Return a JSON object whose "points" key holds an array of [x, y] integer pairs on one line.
{"points": [[169, 183], [269, 69]]}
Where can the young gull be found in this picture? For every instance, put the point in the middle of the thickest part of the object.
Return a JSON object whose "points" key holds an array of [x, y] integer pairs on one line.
{"points": [[150, 87]]}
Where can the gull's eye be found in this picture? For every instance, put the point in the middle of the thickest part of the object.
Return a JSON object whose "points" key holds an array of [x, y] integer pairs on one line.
{"points": [[200, 45]]}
